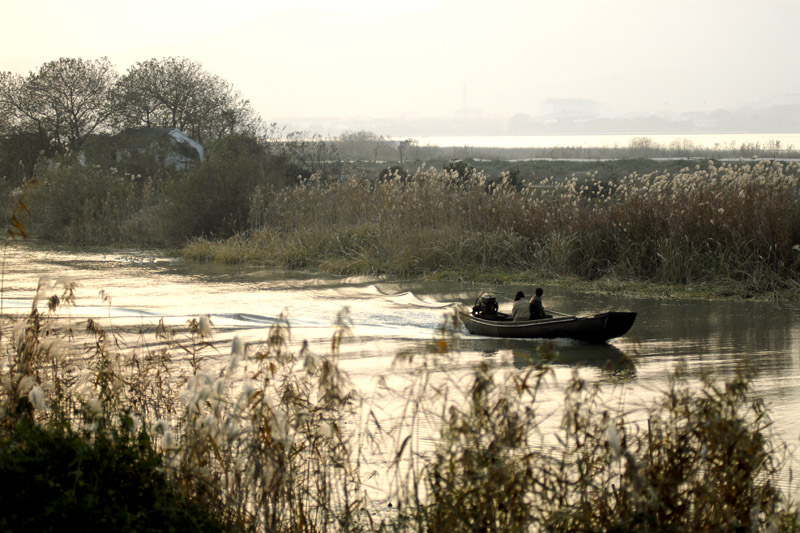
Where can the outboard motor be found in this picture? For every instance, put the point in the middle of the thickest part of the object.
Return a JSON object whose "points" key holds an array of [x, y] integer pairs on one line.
{"points": [[485, 305]]}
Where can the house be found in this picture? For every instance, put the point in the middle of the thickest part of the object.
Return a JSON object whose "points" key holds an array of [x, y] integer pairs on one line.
{"points": [[156, 147]]}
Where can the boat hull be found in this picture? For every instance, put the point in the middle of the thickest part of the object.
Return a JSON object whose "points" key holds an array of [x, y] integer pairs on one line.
{"points": [[596, 328]]}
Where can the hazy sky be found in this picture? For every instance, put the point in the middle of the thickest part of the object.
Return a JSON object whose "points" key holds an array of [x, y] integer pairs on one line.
{"points": [[428, 58]]}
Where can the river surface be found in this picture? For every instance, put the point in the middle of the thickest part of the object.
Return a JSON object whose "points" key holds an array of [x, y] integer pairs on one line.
{"points": [[387, 317], [786, 141]]}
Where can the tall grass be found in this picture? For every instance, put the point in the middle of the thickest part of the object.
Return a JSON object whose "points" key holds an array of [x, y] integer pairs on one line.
{"points": [[725, 222], [275, 438], [84, 204]]}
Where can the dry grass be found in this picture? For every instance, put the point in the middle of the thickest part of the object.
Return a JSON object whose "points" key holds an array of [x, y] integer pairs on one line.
{"points": [[276, 439], [738, 223]]}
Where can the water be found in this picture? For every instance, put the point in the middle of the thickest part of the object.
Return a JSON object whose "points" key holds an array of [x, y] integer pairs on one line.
{"points": [[387, 317], [699, 140]]}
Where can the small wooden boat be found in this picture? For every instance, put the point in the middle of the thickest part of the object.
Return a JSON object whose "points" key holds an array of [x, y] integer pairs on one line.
{"points": [[595, 328]]}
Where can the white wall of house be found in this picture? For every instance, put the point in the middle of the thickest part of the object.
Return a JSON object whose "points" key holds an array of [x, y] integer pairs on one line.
{"points": [[179, 136]]}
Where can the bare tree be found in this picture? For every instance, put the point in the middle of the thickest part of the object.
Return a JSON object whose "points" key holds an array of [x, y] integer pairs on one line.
{"points": [[402, 146], [178, 93], [63, 103], [6, 110]]}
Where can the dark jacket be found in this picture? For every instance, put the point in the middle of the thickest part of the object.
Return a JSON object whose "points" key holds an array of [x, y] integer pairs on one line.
{"points": [[537, 309]]}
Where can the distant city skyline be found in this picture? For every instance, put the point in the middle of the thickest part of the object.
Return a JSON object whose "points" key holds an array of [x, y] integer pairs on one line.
{"points": [[426, 60]]}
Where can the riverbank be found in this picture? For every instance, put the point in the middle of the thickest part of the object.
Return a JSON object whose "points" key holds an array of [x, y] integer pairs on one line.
{"points": [[705, 290], [719, 231]]}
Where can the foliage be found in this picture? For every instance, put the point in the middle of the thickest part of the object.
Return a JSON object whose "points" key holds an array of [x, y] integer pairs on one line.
{"points": [[461, 168], [112, 481], [92, 204], [692, 466], [394, 171], [307, 154], [83, 204], [362, 145], [19, 154], [215, 198]]}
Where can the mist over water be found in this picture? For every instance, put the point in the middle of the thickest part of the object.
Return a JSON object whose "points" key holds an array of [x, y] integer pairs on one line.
{"points": [[704, 140]]}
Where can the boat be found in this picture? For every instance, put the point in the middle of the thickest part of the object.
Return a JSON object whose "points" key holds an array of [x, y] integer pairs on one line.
{"points": [[485, 319]]}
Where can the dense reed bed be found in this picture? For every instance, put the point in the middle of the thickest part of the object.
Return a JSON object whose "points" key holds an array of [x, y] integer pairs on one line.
{"points": [[165, 433], [731, 224]]}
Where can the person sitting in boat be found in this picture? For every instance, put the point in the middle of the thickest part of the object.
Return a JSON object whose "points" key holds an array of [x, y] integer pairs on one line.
{"points": [[521, 309], [536, 306]]}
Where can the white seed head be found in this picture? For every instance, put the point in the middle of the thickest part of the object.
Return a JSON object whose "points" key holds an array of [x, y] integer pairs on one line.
{"points": [[169, 442], [613, 440], [25, 385], [94, 406], [19, 333], [237, 347], [36, 396], [204, 326]]}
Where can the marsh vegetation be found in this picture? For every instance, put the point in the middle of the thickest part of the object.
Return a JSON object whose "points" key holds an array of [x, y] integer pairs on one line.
{"points": [[273, 437], [732, 227], [737, 224]]}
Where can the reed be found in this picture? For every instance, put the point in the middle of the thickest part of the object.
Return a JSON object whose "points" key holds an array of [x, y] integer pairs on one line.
{"points": [[726, 225], [90, 205], [730, 223], [269, 436]]}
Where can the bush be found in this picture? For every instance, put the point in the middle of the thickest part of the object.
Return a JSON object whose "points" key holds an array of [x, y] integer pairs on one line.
{"points": [[93, 204], [53, 477], [700, 460]]}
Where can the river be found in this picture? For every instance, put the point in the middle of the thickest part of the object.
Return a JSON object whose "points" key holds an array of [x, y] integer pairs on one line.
{"points": [[387, 317], [786, 141]]}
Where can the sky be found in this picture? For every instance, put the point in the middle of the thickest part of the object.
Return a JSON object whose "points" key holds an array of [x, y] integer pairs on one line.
{"points": [[413, 59]]}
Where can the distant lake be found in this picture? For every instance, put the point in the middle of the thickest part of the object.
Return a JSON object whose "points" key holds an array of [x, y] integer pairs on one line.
{"points": [[704, 140]]}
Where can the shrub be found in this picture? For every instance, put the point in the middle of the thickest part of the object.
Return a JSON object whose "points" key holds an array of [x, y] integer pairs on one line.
{"points": [[112, 481], [699, 459]]}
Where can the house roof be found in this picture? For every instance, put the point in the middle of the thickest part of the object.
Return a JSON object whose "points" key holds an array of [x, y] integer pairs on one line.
{"points": [[143, 137], [142, 134]]}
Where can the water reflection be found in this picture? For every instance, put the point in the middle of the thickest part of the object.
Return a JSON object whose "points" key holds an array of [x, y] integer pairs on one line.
{"points": [[608, 358], [605, 357]]}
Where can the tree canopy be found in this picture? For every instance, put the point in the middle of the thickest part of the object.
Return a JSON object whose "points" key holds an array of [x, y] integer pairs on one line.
{"points": [[67, 100], [63, 103], [178, 93]]}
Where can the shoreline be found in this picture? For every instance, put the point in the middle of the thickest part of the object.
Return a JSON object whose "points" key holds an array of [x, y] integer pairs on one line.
{"points": [[719, 289]]}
